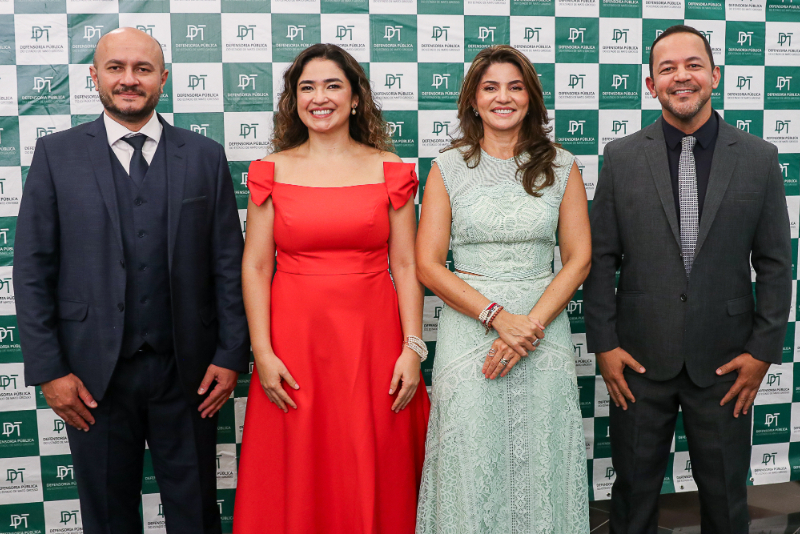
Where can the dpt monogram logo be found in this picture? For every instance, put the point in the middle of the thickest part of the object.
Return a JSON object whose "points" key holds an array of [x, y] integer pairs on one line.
{"points": [[59, 426], [441, 127], [7, 331], [784, 169], [439, 79], [344, 31], [575, 79], [610, 472], [90, 84], [246, 129], [10, 428], [745, 37], [196, 81], [769, 458], [774, 379], [19, 520], [92, 32], [7, 380], [743, 81], [619, 126], [575, 127], [743, 124], [42, 82], [148, 29], [193, 31], [64, 471], [396, 127], [782, 126], [69, 517], [244, 183], [243, 31], [389, 32], [247, 80], [771, 418], [391, 79], [486, 32], [532, 33], [784, 81], [293, 31], [707, 35], [37, 32], [439, 32], [40, 132], [620, 34], [785, 39], [576, 33], [619, 79], [13, 474], [202, 129]]}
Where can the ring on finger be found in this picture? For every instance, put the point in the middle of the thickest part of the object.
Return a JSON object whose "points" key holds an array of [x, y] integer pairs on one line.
{"points": [[536, 342], [503, 362], [492, 352]]}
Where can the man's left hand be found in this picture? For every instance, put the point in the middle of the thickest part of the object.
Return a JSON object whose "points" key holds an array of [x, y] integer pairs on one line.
{"points": [[751, 373], [226, 381]]}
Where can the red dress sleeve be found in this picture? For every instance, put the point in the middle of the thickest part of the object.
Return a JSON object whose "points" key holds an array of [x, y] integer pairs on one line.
{"points": [[401, 182], [260, 178]]}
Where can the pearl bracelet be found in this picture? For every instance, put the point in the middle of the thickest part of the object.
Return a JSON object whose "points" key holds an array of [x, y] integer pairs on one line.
{"points": [[417, 345]]}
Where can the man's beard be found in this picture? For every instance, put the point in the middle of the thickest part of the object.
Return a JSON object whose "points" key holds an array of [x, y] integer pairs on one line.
{"points": [[686, 115], [129, 114]]}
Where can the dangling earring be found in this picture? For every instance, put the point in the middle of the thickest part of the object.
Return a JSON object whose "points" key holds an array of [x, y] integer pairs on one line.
{"points": [[475, 111], [353, 111]]}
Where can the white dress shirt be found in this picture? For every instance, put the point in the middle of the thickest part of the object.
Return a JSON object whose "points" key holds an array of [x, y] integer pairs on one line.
{"points": [[124, 152]]}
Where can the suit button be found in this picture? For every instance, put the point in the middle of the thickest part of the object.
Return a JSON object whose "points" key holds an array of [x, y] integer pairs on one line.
{"points": [[684, 297], [121, 307], [142, 233], [122, 263], [138, 201]]}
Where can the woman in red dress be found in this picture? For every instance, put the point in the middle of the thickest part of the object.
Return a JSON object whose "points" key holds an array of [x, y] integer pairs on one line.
{"points": [[337, 410]]}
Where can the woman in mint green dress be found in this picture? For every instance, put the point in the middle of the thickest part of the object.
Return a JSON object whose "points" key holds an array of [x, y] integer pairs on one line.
{"points": [[505, 452]]}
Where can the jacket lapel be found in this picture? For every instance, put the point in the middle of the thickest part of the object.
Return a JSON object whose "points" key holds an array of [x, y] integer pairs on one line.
{"points": [[656, 151], [176, 177], [99, 154], [722, 167]]}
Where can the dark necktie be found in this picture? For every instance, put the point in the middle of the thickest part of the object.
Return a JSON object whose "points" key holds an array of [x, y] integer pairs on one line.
{"points": [[138, 164], [687, 179]]}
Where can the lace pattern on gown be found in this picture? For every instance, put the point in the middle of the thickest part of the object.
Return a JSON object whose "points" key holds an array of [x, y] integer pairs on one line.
{"points": [[505, 455]]}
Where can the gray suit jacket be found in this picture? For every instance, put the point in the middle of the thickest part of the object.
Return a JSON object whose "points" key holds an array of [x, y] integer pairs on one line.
{"points": [[663, 318]]}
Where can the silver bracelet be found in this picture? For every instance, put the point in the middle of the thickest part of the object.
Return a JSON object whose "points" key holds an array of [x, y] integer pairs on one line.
{"points": [[417, 345]]}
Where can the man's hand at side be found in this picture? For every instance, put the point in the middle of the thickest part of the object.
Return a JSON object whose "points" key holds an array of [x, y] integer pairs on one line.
{"points": [[69, 398], [226, 381], [751, 373], [611, 364]]}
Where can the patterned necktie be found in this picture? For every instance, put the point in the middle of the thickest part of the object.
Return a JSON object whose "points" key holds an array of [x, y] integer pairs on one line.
{"points": [[687, 182], [138, 164]]}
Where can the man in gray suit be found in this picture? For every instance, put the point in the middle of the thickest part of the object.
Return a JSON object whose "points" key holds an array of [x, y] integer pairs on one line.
{"points": [[682, 208]]}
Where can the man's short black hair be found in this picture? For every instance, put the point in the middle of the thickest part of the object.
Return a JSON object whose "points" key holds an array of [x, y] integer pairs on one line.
{"points": [[681, 28]]}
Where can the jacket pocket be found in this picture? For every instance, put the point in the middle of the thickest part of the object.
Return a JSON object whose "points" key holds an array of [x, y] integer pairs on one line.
{"points": [[741, 305], [208, 314], [193, 199], [629, 294], [740, 196], [70, 310]]}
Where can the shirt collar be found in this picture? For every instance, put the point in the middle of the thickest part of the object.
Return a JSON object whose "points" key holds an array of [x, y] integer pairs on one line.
{"points": [[705, 135], [116, 131]]}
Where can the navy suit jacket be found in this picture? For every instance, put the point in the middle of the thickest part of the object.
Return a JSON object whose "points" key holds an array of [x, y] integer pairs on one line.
{"points": [[69, 269]]}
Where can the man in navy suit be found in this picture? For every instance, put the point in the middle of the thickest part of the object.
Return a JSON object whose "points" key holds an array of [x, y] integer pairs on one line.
{"points": [[127, 274]]}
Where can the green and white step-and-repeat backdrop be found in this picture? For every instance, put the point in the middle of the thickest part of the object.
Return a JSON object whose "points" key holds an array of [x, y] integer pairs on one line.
{"points": [[226, 58]]}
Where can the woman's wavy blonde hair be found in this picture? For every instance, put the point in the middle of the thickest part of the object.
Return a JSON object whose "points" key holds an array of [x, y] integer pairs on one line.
{"points": [[366, 126], [533, 138]]}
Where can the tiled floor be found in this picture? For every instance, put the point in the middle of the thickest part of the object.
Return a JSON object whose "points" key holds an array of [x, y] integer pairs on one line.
{"points": [[774, 509]]}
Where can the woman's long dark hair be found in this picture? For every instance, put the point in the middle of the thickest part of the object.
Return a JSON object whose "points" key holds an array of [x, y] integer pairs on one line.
{"points": [[366, 126], [533, 139]]}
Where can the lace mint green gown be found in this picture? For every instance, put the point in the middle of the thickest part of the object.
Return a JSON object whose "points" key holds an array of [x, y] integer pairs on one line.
{"points": [[503, 456]]}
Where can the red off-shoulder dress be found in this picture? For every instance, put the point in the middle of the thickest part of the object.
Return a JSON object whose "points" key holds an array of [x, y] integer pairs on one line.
{"points": [[343, 462]]}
